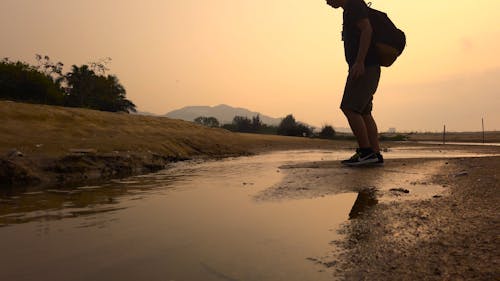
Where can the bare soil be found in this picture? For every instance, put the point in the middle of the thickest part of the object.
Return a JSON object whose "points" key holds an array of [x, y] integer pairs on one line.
{"points": [[449, 237]]}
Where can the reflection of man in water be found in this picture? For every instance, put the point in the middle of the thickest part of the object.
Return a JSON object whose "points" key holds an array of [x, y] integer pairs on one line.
{"points": [[362, 81]]}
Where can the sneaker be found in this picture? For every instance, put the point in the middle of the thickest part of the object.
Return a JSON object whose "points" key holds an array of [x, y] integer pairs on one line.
{"points": [[360, 158], [380, 159]]}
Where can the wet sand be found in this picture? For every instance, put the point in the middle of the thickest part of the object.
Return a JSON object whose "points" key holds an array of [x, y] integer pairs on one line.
{"points": [[448, 237], [435, 219]]}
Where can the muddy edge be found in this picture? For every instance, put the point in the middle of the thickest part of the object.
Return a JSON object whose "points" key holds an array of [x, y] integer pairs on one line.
{"points": [[449, 237]]}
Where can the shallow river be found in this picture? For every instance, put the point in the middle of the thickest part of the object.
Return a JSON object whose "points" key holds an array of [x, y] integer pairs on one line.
{"points": [[193, 221]]}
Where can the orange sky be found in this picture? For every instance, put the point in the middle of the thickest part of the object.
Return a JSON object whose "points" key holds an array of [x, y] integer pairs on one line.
{"points": [[272, 56]]}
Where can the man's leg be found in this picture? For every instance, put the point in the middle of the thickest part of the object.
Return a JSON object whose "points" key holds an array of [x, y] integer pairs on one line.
{"points": [[372, 131], [358, 127], [357, 102]]}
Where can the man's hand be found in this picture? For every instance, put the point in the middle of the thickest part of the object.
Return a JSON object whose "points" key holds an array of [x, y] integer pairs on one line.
{"points": [[356, 70]]}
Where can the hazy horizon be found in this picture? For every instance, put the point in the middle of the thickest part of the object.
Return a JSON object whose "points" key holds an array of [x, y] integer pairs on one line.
{"points": [[276, 57]]}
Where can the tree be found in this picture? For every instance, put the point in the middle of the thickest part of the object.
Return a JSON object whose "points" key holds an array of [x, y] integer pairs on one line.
{"points": [[20, 81], [87, 89], [83, 86], [80, 86], [50, 69], [327, 132], [207, 121], [242, 124], [256, 123], [289, 127]]}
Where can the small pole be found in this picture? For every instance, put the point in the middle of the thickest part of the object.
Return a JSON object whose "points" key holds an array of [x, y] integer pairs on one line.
{"points": [[482, 122], [444, 134]]}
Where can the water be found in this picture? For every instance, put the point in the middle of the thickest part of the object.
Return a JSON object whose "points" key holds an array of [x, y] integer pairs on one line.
{"points": [[195, 221]]}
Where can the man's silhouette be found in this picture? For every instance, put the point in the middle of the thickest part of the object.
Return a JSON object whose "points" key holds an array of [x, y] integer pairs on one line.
{"points": [[362, 81]]}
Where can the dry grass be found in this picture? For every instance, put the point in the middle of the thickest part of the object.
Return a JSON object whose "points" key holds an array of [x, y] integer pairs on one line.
{"points": [[490, 136], [53, 131]]}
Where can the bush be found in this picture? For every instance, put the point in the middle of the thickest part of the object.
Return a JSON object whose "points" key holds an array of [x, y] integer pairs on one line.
{"points": [[398, 137], [289, 127], [207, 121], [83, 86], [22, 82], [327, 132]]}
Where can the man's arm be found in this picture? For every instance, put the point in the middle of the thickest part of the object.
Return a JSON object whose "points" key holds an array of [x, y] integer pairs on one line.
{"points": [[364, 44]]}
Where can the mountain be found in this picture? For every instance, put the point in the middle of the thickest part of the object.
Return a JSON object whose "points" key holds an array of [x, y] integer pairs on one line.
{"points": [[223, 113]]}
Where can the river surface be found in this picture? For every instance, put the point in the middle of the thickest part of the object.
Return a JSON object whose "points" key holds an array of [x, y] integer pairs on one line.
{"points": [[194, 221]]}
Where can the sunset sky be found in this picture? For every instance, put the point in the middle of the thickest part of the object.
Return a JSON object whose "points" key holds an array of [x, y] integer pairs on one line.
{"points": [[273, 56]]}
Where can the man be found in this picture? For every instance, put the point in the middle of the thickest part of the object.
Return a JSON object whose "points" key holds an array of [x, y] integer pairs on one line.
{"points": [[362, 81]]}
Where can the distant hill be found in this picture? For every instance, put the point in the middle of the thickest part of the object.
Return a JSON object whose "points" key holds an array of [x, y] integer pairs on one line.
{"points": [[223, 113]]}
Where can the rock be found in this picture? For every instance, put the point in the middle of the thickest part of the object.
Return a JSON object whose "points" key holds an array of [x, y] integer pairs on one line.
{"points": [[83, 151], [14, 153], [461, 174], [330, 263], [13, 173], [399, 189]]}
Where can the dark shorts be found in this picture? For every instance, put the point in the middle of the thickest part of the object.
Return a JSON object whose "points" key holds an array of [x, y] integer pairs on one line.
{"points": [[358, 93]]}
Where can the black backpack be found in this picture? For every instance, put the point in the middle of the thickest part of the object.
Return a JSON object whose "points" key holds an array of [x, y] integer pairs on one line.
{"points": [[389, 41]]}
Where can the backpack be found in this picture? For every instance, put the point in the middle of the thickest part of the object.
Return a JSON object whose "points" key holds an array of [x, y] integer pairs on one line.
{"points": [[389, 41]]}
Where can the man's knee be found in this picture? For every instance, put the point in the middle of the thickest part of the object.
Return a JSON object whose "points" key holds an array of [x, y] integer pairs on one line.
{"points": [[348, 112]]}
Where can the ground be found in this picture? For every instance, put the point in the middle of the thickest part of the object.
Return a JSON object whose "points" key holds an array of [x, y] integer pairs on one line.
{"points": [[414, 219], [449, 235]]}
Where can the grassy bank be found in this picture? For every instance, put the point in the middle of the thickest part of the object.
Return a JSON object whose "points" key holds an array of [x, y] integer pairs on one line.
{"points": [[55, 131], [46, 145]]}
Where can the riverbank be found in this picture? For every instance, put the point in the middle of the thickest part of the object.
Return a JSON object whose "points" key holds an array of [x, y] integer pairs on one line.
{"points": [[49, 146]]}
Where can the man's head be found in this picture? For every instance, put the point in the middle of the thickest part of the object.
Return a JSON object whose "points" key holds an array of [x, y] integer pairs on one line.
{"points": [[335, 3]]}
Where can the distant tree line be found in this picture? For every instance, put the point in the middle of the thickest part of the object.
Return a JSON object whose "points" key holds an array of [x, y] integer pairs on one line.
{"points": [[207, 121], [85, 86], [287, 127]]}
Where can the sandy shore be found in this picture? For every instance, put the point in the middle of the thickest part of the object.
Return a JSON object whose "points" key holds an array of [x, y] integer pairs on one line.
{"points": [[453, 236], [425, 219]]}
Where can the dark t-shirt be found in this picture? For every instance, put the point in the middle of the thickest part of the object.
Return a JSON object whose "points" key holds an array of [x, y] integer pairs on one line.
{"points": [[355, 10]]}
